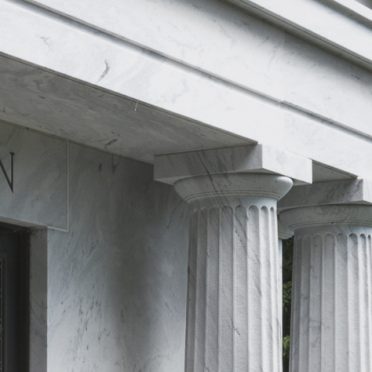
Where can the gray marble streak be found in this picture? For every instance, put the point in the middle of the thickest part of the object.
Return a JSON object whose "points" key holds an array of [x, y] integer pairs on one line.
{"points": [[355, 191], [234, 305], [239, 48], [179, 92], [63, 107], [38, 301], [239, 159], [40, 178], [332, 306], [108, 290], [117, 279]]}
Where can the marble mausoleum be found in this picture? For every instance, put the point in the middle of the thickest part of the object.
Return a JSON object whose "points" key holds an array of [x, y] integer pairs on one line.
{"points": [[154, 154]]}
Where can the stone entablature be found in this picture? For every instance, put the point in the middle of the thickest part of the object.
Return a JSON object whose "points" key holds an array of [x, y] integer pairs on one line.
{"points": [[183, 99], [334, 19]]}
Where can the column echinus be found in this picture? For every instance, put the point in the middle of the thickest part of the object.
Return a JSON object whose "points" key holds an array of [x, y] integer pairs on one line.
{"points": [[332, 282], [234, 305]]}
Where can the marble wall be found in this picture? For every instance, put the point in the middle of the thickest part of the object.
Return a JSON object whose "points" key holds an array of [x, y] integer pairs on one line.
{"points": [[40, 189], [116, 278]]}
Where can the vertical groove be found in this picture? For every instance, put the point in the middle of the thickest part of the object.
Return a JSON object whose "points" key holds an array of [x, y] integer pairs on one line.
{"points": [[205, 284], [190, 331], [249, 326], [315, 277], [272, 289], [200, 291], [211, 309], [276, 290], [327, 295], [253, 292], [233, 316], [308, 307], [369, 303], [220, 298], [225, 314], [240, 290], [352, 303], [332, 301], [263, 264], [233, 287], [362, 301], [218, 293]]}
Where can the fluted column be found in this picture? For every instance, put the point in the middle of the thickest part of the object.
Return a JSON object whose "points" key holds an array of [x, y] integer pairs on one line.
{"points": [[234, 305], [332, 289]]}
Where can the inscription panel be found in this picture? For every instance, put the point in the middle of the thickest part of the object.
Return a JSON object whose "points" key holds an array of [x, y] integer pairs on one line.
{"points": [[33, 181]]}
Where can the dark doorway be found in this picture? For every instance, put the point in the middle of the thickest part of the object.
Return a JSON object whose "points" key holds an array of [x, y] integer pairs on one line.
{"points": [[14, 299]]}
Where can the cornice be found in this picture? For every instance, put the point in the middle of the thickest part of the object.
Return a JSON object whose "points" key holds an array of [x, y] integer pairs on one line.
{"points": [[338, 14]]}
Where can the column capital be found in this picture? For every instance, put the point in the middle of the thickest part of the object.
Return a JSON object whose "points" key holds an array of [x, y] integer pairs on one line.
{"points": [[232, 187], [347, 202], [257, 159], [284, 231], [344, 192], [328, 215]]}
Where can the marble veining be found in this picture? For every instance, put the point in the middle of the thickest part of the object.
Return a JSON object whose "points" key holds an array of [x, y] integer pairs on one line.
{"points": [[233, 305], [117, 280], [332, 303], [238, 48], [234, 308], [135, 75], [40, 178]]}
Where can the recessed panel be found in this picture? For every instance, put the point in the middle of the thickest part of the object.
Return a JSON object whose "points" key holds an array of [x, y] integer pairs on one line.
{"points": [[33, 178]]}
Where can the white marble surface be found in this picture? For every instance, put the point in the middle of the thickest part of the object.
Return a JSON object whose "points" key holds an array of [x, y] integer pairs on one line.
{"points": [[56, 105], [40, 178], [356, 191], [341, 25], [64, 47], [38, 301], [324, 215], [234, 308], [234, 312], [238, 48], [332, 307], [109, 292], [117, 279], [240, 159]]}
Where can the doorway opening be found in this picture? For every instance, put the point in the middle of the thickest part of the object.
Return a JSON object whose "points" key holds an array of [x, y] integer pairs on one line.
{"points": [[14, 298]]}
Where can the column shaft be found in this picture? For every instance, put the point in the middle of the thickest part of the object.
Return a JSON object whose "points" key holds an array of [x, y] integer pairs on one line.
{"points": [[234, 305], [332, 300]]}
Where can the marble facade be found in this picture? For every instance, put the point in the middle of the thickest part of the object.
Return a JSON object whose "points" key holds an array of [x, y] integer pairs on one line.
{"points": [[160, 151], [108, 290]]}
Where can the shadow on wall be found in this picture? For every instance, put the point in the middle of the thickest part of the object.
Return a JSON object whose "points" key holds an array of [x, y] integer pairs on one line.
{"points": [[118, 280]]}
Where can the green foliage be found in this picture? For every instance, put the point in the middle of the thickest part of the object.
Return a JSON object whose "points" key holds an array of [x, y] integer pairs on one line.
{"points": [[286, 346], [287, 293]]}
